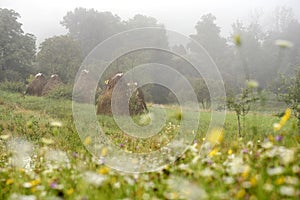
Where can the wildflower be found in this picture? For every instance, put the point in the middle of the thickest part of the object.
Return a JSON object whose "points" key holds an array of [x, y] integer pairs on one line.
{"points": [[280, 180], [22, 197], [268, 187], [4, 137], [53, 185], [252, 84], [47, 141], [253, 181], [104, 151], [56, 124], [9, 181], [87, 140], [237, 40], [267, 145], [35, 182], [229, 152], [287, 190], [284, 44], [283, 120], [94, 178], [275, 171], [278, 138], [228, 180], [246, 171], [103, 170], [241, 193], [276, 126], [70, 191], [207, 172], [286, 155], [213, 152], [216, 136]]}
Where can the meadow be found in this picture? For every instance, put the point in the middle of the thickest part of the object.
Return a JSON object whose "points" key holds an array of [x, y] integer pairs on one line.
{"points": [[42, 157]]}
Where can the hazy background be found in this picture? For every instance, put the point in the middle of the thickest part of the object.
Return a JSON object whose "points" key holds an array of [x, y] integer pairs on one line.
{"points": [[42, 18]]}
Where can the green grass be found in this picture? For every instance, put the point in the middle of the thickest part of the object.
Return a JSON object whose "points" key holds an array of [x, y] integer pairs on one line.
{"points": [[61, 166]]}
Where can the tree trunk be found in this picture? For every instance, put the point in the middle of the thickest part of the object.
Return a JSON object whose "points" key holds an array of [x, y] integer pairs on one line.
{"points": [[239, 125]]}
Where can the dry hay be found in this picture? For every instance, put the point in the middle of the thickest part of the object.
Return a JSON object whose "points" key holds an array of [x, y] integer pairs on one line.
{"points": [[52, 83], [35, 88], [137, 103]]}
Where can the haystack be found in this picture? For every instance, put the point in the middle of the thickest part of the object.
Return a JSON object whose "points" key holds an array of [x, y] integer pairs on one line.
{"points": [[137, 103], [52, 83], [36, 86]]}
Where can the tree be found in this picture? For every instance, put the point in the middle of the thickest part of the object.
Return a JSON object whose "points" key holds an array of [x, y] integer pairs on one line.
{"points": [[17, 49], [60, 55], [90, 27], [208, 35], [291, 94], [241, 104]]}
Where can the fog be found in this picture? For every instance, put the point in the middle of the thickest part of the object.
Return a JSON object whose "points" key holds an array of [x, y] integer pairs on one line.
{"points": [[42, 18]]}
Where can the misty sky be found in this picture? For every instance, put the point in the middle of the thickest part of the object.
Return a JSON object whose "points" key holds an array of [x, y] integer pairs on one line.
{"points": [[42, 17]]}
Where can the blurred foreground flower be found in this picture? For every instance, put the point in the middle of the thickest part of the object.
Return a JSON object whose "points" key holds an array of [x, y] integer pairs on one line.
{"points": [[237, 40], [284, 44], [252, 84], [94, 178], [56, 124], [283, 120], [216, 136]]}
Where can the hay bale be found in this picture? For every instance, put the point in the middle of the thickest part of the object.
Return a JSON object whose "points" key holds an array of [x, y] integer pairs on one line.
{"points": [[137, 103], [52, 83], [35, 88]]}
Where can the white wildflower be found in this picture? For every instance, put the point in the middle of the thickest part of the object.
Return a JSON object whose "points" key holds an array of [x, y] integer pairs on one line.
{"points": [[287, 190], [275, 171]]}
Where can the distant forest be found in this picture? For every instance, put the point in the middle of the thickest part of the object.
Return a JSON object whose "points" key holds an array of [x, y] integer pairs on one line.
{"points": [[251, 51]]}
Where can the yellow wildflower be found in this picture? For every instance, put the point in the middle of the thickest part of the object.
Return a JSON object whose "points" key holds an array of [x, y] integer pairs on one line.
{"points": [[9, 181], [229, 152], [245, 173], [216, 136], [70, 191], [237, 40], [280, 180], [283, 120], [241, 193], [103, 170], [253, 181], [35, 182], [214, 152], [87, 140], [104, 151]]}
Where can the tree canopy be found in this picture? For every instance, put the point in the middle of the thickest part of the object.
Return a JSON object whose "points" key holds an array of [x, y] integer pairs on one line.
{"points": [[60, 55], [17, 49]]}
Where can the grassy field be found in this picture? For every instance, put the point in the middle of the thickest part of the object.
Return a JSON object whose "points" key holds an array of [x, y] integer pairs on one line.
{"points": [[42, 157]]}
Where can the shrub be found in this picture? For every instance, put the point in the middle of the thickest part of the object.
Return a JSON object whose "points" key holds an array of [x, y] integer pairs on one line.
{"points": [[13, 86], [61, 92]]}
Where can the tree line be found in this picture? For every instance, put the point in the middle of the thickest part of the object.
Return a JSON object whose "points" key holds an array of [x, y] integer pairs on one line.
{"points": [[257, 57]]}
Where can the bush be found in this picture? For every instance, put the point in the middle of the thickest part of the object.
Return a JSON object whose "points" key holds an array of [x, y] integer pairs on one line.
{"points": [[61, 92], [13, 86]]}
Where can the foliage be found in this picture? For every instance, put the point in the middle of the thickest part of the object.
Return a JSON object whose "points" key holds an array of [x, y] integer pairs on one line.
{"points": [[90, 27], [61, 91], [12, 86], [60, 55], [241, 104], [17, 50], [291, 93]]}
